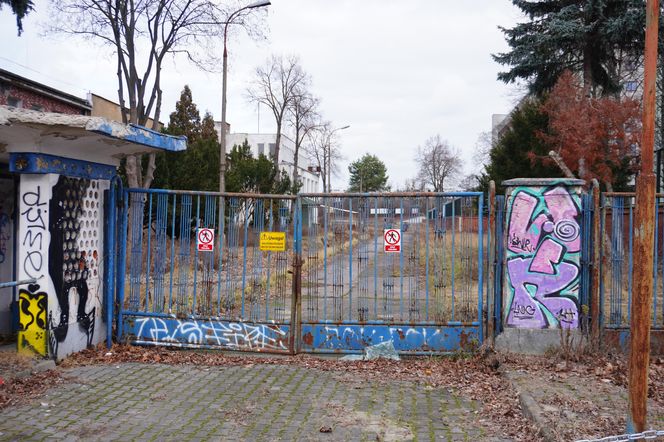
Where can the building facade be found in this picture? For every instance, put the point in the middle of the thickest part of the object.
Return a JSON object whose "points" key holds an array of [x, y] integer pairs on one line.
{"points": [[265, 144]]}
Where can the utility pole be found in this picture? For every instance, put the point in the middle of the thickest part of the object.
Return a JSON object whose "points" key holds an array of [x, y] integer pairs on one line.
{"points": [[644, 238]]}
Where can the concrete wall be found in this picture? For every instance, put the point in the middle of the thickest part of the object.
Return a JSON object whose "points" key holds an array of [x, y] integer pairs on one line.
{"points": [[542, 253], [7, 213], [60, 227]]}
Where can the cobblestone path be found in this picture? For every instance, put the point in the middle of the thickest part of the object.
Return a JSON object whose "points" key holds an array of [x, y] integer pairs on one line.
{"points": [[252, 402]]}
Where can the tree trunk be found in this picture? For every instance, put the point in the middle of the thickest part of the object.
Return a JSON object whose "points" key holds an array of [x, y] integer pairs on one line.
{"points": [[555, 156]]}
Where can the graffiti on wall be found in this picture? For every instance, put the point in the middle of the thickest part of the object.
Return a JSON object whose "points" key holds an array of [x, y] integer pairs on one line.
{"points": [[32, 320], [543, 257], [73, 254], [231, 335]]}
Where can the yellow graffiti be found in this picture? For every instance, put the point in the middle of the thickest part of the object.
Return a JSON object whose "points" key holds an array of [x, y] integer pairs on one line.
{"points": [[32, 323]]}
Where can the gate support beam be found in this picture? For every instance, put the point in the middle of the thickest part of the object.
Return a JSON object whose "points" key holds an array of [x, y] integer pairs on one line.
{"points": [[491, 298], [644, 237], [596, 242]]}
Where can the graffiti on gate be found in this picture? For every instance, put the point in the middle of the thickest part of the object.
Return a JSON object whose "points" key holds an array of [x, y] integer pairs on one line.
{"points": [[543, 257], [232, 335], [32, 320], [320, 337]]}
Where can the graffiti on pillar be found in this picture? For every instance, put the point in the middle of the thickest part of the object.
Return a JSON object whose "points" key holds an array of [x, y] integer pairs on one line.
{"points": [[543, 257], [73, 256], [32, 320]]}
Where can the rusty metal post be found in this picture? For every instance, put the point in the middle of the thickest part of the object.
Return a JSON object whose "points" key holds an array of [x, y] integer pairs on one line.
{"points": [[644, 238], [490, 297], [595, 306], [296, 299]]}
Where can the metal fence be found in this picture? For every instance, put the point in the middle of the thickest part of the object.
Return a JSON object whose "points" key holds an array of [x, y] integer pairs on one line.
{"points": [[234, 296], [428, 297], [617, 260]]}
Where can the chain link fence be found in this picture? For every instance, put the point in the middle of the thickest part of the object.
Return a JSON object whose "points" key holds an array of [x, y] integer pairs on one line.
{"points": [[646, 435]]}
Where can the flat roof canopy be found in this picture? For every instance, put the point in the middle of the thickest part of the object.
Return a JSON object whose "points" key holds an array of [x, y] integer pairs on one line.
{"points": [[78, 137]]}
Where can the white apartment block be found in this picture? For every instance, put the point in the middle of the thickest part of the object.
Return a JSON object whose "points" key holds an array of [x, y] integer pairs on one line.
{"points": [[266, 143]]}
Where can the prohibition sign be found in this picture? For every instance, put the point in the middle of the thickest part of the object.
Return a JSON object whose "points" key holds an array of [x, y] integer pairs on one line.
{"points": [[205, 240], [392, 240]]}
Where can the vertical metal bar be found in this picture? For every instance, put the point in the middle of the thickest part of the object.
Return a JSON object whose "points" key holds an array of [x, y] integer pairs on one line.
{"points": [[244, 256], [596, 243], [222, 240], [655, 265], [122, 265], [453, 253], [602, 269], [110, 253], [198, 224], [426, 236], [269, 265], [376, 232], [147, 268], [401, 260], [172, 270], [491, 296], [480, 276], [350, 260], [630, 276], [325, 223], [296, 304]]}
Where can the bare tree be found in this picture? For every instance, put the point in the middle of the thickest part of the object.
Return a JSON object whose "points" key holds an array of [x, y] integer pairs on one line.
{"points": [[304, 118], [324, 151], [438, 162], [276, 85], [142, 33]]}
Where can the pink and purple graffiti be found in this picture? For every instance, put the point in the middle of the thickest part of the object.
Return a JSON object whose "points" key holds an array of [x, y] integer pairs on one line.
{"points": [[543, 258]]}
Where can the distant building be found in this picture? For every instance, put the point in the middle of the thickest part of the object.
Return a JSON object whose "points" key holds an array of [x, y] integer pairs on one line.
{"points": [[22, 93], [105, 108], [266, 143]]}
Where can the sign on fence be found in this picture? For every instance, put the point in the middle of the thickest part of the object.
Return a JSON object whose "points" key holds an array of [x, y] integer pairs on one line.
{"points": [[205, 240], [273, 241], [392, 240]]}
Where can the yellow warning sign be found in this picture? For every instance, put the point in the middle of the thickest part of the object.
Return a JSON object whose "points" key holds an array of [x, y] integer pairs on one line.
{"points": [[273, 241]]}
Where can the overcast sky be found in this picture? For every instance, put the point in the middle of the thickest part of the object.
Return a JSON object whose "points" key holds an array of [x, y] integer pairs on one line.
{"points": [[396, 71]]}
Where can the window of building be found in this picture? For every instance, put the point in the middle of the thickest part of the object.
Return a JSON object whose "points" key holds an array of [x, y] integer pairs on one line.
{"points": [[37, 107], [273, 149], [630, 86], [261, 148], [14, 102]]}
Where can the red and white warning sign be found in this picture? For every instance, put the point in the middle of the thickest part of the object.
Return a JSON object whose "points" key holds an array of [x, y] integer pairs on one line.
{"points": [[392, 240], [205, 240]]}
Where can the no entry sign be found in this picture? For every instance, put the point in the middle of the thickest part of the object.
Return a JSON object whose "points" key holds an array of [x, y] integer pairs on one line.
{"points": [[392, 240], [205, 240]]}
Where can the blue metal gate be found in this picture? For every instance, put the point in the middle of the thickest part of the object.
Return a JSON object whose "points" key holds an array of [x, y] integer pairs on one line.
{"points": [[425, 298], [234, 297], [334, 288]]}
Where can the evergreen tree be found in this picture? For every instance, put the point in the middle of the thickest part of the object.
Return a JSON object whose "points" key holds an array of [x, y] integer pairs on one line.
{"points": [[368, 174], [20, 8], [586, 36], [246, 174], [198, 167]]}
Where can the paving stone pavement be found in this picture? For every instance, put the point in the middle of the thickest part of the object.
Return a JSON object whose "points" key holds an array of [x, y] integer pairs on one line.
{"points": [[254, 402]]}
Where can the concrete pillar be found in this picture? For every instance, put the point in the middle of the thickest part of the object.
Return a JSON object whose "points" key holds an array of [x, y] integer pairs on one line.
{"points": [[542, 253]]}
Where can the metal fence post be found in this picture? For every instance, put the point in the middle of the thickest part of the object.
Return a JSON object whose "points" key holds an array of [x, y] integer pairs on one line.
{"points": [[491, 298], [596, 242], [296, 301]]}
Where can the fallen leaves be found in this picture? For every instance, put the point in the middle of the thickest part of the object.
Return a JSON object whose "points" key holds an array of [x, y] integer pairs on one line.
{"points": [[18, 390]]}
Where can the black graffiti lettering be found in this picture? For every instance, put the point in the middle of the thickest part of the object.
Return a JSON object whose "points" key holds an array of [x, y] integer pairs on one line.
{"points": [[36, 261], [523, 311], [35, 195], [523, 244], [31, 238], [38, 221]]}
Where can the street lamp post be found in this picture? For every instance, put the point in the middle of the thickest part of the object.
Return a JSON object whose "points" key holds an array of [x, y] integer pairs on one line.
{"points": [[329, 159], [222, 152]]}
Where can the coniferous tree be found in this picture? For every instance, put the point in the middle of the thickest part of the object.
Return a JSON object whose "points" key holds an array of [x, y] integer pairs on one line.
{"points": [[368, 174], [589, 37], [20, 8]]}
